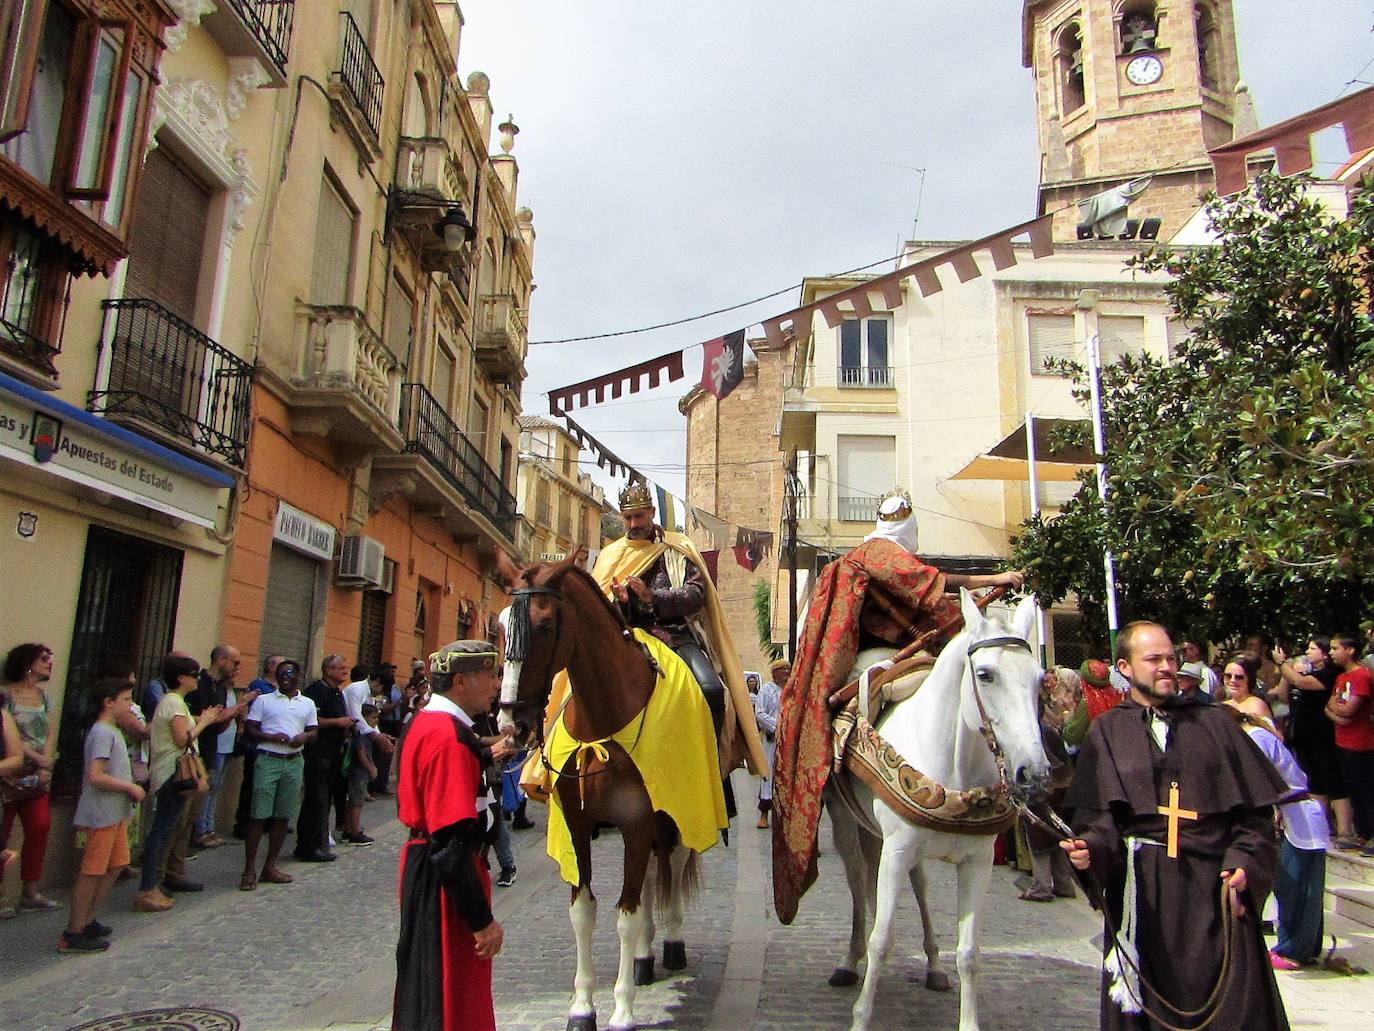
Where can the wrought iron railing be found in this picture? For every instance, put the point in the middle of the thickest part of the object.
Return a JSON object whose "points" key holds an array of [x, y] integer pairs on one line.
{"points": [[865, 375], [430, 432], [34, 297], [166, 372], [270, 23], [857, 508], [359, 73]]}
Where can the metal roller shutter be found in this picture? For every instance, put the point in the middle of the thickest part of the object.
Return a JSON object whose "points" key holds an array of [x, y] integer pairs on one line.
{"points": [[288, 616]]}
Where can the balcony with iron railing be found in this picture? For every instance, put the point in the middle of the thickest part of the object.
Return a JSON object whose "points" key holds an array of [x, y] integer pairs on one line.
{"points": [[442, 471], [355, 88], [857, 508], [865, 376], [501, 336], [166, 376], [34, 297], [259, 29]]}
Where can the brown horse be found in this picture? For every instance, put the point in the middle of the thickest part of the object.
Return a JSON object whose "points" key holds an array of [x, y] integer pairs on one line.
{"points": [[562, 620]]}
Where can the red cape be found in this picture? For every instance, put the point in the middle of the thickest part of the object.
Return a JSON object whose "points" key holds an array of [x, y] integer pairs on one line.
{"points": [[916, 601]]}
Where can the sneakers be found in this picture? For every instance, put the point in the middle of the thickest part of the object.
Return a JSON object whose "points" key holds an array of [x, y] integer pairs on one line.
{"points": [[38, 903], [81, 943], [506, 879], [1283, 962], [1347, 844], [360, 839], [95, 929]]}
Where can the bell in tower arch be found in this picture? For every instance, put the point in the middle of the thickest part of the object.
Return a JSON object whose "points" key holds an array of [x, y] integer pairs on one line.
{"points": [[1138, 32]]}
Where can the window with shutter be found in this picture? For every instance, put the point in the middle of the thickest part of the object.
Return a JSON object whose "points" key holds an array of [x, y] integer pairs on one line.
{"points": [[867, 468], [441, 382], [398, 320], [334, 232], [1120, 335], [167, 237], [1051, 337]]}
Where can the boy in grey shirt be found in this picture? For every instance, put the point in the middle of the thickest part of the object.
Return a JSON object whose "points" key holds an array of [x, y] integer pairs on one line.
{"points": [[108, 792]]}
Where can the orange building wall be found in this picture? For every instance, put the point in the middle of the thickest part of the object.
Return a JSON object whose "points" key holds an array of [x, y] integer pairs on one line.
{"points": [[301, 471]]}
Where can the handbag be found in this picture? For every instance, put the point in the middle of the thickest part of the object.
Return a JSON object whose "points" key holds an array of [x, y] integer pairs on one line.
{"points": [[190, 773], [21, 789]]}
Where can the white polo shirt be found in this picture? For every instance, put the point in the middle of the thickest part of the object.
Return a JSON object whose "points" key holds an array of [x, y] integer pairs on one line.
{"points": [[278, 714]]}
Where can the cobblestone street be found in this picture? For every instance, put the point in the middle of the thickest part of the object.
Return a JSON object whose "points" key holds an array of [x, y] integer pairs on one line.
{"points": [[318, 954]]}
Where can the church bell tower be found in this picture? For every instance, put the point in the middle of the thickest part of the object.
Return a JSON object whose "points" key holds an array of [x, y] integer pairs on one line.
{"points": [[1132, 88]]}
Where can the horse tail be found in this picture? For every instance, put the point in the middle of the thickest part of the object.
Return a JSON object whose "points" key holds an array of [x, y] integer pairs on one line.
{"points": [[691, 878]]}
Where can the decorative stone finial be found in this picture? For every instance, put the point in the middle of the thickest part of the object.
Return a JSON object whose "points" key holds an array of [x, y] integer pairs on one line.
{"points": [[479, 83], [509, 130], [524, 217]]}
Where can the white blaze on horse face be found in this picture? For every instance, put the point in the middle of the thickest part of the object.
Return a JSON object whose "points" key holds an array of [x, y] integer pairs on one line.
{"points": [[510, 680]]}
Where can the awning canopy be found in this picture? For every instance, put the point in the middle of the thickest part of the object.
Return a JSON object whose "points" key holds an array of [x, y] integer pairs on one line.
{"points": [[1007, 460]]}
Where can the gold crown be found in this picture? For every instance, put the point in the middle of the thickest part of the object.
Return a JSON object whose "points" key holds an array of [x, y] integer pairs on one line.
{"points": [[894, 514], [635, 496]]}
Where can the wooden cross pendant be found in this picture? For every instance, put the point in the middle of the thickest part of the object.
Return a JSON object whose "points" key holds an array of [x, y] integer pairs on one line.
{"points": [[1175, 815]]}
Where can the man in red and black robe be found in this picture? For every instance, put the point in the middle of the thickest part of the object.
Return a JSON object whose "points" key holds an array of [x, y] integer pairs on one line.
{"points": [[448, 936], [879, 593]]}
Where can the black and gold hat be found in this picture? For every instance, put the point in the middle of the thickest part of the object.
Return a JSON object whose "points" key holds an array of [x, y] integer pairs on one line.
{"points": [[464, 657]]}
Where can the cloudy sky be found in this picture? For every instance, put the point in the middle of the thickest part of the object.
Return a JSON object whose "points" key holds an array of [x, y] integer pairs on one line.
{"points": [[681, 158]]}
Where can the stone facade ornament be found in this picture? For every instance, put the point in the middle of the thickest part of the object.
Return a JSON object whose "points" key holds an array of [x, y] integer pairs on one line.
{"points": [[245, 75], [189, 13], [508, 130], [192, 107]]}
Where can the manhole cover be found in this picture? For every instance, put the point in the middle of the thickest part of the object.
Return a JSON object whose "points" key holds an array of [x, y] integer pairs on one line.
{"points": [[181, 1018]]}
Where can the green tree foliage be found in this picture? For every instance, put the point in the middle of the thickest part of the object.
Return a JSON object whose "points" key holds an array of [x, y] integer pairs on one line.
{"points": [[1242, 472], [763, 619]]}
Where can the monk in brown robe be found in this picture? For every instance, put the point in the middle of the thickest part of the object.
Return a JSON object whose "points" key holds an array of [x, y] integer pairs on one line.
{"points": [[1172, 809]]}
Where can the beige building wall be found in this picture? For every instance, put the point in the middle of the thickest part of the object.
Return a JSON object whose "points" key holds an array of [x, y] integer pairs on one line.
{"points": [[562, 504], [735, 472]]}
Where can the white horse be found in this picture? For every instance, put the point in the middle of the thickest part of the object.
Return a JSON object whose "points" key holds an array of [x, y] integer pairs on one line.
{"points": [[936, 730]]}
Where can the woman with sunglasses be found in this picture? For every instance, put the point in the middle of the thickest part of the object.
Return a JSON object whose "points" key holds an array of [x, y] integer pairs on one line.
{"points": [[1240, 679], [174, 730], [27, 668]]}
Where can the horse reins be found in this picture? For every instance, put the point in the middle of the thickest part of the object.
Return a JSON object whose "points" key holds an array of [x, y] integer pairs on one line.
{"points": [[1058, 828], [517, 650]]}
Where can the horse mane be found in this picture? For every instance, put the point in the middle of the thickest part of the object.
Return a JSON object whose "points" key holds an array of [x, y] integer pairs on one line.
{"points": [[590, 583]]}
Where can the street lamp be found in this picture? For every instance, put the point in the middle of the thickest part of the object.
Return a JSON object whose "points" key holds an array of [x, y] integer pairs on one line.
{"points": [[453, 227], [455, 230]]}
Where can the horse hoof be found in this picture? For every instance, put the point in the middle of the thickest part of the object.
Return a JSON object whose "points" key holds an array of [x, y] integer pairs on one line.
{"points": [[674, 955], [586, 1022], [644, 971], [937, 980], [843, 978]]}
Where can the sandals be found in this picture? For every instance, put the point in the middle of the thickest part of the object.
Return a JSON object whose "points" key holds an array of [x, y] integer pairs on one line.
{"points": [[1031, 895], [248, 882], [274, 876]]}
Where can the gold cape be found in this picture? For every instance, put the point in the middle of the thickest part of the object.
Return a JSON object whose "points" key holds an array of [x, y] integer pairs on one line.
{"points": [[671, 743], [623, 558]]}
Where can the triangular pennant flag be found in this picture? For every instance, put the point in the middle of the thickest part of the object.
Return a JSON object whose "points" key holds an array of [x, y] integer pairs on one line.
{"points": [[722, 366], [745, 556]]}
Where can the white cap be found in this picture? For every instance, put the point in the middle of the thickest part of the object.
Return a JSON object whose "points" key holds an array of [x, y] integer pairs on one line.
{"points": [[1193, 669]]}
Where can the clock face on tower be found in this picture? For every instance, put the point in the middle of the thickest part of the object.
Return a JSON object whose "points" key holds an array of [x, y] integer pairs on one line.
{"points": [[1145, 70]]}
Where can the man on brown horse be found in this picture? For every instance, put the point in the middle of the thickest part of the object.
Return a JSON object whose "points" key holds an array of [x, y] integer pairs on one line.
{"points": [[659, 580], [879, 593]]}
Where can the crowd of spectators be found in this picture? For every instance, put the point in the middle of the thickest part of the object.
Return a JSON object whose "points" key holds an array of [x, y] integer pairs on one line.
{"points": [[159, 758], [1312, 716]]}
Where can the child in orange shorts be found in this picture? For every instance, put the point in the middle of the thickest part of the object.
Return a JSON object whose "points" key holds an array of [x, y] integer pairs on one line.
{"points": [[108, 792]]}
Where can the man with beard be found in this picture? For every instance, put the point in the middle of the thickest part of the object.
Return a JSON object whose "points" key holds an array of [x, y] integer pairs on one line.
{"points": [[1172, 810], [658, 579]]}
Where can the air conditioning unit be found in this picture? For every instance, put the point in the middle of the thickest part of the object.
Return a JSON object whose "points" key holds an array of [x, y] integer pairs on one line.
{"points": [[362, 562], [388, 576]]}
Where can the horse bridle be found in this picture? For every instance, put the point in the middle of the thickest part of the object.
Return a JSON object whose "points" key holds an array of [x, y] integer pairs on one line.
{"points": [[1004, 780], [517, 650]]}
